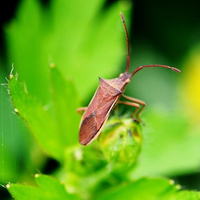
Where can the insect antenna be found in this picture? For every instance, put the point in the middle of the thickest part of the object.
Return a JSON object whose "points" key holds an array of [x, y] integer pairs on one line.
{"points": [[127, 41], [165, 66]]}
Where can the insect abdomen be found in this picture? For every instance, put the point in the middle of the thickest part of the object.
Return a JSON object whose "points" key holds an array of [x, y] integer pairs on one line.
{"points": [[97, 112], [88, 129]]}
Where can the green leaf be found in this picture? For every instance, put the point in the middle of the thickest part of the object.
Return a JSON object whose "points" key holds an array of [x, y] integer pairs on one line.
{"points": [[66, 101], [37, 118], [54, 135], [150, 189], [48, 188]]}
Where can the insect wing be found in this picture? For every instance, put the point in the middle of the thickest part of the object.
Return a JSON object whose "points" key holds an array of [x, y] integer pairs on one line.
{"points": [[97, 112]]}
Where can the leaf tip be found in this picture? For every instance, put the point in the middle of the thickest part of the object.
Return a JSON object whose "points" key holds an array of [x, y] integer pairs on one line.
{"points": [[171, 182], [37, 175], [52, 65], [10, 76], [16, 110], [11, 72], [8, 186]]}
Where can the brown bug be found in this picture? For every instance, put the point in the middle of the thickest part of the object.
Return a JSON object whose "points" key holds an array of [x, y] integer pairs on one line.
{"points": [[106, 97]]}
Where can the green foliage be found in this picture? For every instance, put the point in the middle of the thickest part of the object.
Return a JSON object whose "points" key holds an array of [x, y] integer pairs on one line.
{"points": [[42, 124], [143, 188], [149, 189], [84, 42], [47, 188]]}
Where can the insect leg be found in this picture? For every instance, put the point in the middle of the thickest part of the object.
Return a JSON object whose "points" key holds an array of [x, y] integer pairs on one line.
{"points": [[81, 109], [133, 105], [137, 101]]}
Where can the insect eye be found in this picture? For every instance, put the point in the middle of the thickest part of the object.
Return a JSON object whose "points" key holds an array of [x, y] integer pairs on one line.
{"points": [[127, 81], [120, 75]]}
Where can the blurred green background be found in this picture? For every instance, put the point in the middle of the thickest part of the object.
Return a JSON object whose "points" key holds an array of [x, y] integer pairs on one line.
{"points": [[86, 40]]}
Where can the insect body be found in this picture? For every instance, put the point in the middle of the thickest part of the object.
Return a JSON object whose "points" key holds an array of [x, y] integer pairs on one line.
{"points": [[106, 97]]}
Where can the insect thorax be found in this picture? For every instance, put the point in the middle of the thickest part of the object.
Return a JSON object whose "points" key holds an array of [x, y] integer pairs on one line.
{"points": [[118, 83]]}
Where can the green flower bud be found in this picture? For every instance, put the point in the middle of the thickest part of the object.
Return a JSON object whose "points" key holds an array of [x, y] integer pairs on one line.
{"points": [[121, 140]]}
